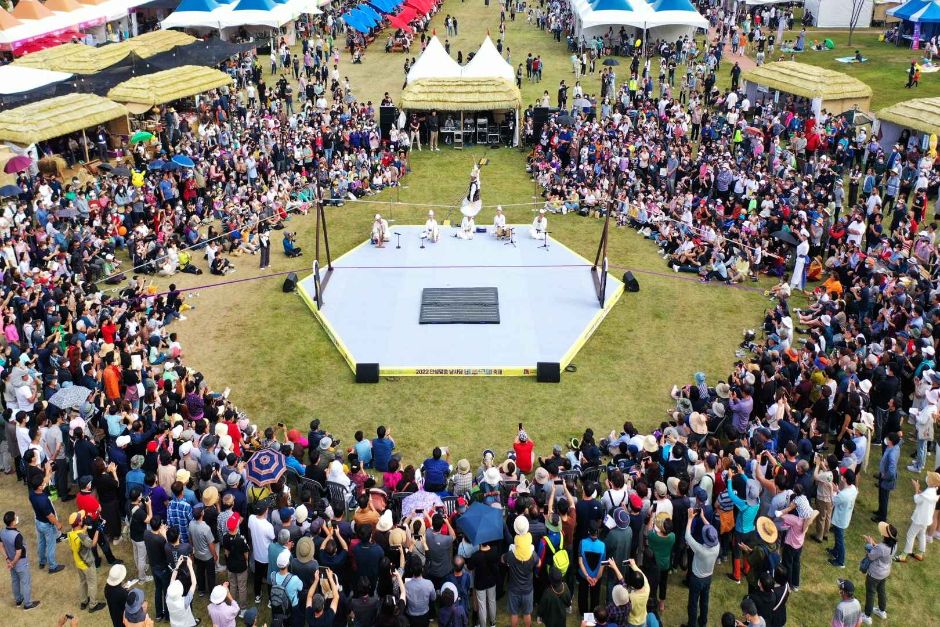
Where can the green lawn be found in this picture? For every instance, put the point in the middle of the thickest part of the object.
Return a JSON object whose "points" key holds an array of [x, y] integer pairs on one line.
{"points": [[270, 350]]}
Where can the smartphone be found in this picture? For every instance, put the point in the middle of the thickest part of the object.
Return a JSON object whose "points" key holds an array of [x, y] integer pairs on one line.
{"points": [[520, 426], [131, 583], [558, 482]]}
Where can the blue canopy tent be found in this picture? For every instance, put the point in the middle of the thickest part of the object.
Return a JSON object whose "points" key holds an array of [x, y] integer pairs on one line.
{"points": [[921, 16], [355, 22], [673, 5], [386, 6], [366, 9], [370, 17]]}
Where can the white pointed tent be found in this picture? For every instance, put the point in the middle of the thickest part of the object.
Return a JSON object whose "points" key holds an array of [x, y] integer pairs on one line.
{"points": [[487, 63], [434, 62]]}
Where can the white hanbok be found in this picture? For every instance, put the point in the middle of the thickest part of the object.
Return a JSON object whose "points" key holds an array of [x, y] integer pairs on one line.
{"points": [[467, 227], [539, 226], [431, 230], [798, 280], [380, 231]]}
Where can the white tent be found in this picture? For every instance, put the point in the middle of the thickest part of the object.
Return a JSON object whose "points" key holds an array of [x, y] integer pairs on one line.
{"points": [[434, 62], [638, 13], [488, 62], [15, 79], [838, 13]]}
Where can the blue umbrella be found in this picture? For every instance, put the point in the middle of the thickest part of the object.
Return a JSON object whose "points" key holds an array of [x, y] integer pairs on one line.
{"points": [[156, 165], [8, 191], [183, 161], [481, 523], [266, 466]]}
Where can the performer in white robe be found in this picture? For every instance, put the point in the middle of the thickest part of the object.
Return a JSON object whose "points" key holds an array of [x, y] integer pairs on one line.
{"points": [[471, 204], [539, 226], [798, 280], [467, 227], [499, 223], [380, 233], [431, 230]]}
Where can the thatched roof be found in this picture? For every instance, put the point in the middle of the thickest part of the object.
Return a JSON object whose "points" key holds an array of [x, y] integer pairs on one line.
{"points": [[920, 114], [168, 85], [808, 81], [55, 117], [460, 94], [82, 59]]}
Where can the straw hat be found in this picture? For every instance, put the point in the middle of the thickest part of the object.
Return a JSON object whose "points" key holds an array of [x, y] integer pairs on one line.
{"points": [[305, 549], [210, 496], [887, 531], [116, 575], [766, 530], [649, 444], [698, 423]]}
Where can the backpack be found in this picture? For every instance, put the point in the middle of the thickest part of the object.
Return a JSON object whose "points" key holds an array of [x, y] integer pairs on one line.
{"points": [[280, 599], [771, 559], [560, 558]]}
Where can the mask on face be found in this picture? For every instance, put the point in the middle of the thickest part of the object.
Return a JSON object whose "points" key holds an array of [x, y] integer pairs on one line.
{"points": [[886, 442]]}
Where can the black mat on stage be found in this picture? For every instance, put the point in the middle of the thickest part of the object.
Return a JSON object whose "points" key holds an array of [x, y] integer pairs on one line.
{"points": [[459, 305]]}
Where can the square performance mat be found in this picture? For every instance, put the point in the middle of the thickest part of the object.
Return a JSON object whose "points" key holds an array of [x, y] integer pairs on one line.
{"points": [[459, 305]]}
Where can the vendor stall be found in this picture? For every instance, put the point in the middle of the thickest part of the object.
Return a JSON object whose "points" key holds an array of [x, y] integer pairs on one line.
{"points": [[915, 120], [143, 92], [825, 89]]}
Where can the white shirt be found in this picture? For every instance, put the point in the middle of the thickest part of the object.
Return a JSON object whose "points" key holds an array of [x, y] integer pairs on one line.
{"points": [[924, 504], [262, 534], [856, 230], [499, 220], [23, 395], [540, 223]]}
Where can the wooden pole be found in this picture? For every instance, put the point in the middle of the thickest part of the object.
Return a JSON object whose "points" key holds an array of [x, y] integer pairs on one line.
{"points": [[85, 145]]}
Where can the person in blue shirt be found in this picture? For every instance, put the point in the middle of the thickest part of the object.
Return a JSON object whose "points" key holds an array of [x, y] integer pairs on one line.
{"points": [[592, 554], [290, 249], [436, 471], [744, 522], [382, 448], [363, 450]]}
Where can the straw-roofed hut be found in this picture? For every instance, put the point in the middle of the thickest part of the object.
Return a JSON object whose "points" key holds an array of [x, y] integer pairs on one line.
{"points": [[461, 94], [142, 92], [834, 91], [55, 117], [82, 59], [921, 115]]}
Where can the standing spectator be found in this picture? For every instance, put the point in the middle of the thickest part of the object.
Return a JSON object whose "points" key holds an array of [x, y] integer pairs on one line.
{"points": [[704, 555], [286, 603], [521, 562], [318, 614], [237, 553], [661, 539], [440, 550], [204, 550], [15, 549], [484, 564], [179, 600], [887, 475], [843, 504], [140, 516], [925, 502], [592, 558], [48, 526], [115, 594], [848, 612], [420, 593], [179, 513], [223, 610], [262, 535], [879, 568], [82, 539], [155, 542], [555, 602]]}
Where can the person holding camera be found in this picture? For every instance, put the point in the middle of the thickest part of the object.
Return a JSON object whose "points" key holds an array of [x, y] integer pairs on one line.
{"points": [[141, 512], [290, 248], [83, 538]]}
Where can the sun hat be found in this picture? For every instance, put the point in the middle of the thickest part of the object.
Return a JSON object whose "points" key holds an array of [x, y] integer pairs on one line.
{"points": [[541, 476], [698, 423], [133, 607], [122, 441], [250, 617], [521, 525], [219, 593], [709, 536], [325, 443], [116, 575], [491, 476], [300, 514], [137, 461], [210, 496], [660, 488], [75, 517], [225, 443], [304, 549], [397, 537], [649, 444], [463, 466], [887, 531], [385, 521], [182, 475], [620, 595], [672, 484], [723, 390], [766, 530]]}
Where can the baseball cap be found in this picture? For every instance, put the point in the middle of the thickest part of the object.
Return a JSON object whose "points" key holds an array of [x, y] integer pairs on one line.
{"points": [[233, 521], [846, 586]]}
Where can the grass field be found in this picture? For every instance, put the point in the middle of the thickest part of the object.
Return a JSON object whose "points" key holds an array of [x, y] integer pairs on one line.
{"points": [[280, 365]]}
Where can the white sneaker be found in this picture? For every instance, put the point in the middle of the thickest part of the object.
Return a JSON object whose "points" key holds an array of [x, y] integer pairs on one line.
{"points": [[883, 615], [182, 317], [913, 468], [866, 619]]}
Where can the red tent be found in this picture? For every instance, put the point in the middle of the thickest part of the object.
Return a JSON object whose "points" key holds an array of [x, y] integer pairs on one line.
{"points": [[407, 14], [397, 22]]}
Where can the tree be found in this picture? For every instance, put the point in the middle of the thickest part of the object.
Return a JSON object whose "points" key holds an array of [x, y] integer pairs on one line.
{"points": [[857, 7]]}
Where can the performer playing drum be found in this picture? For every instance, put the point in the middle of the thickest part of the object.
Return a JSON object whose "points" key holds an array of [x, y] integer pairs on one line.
{"points": [[499, 223], [431, 230], [467, 227], [539, 226], [380, 233]]}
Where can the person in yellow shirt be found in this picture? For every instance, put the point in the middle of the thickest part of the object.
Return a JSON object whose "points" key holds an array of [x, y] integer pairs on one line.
{"points": [[639, 595], [82, 545]]}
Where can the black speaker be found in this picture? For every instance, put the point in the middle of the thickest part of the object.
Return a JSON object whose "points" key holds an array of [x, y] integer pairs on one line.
{"points": [[367, 373], [630, 283], [290, 282], [548, 372], [388, 115]]}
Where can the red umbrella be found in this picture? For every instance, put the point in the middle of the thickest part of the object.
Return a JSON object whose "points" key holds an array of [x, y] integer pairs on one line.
{"points": [[17, 164]]}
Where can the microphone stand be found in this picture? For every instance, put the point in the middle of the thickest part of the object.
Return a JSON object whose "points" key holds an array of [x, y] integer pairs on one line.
{"points": [[512, 238], [545, 245], [397, 239]]}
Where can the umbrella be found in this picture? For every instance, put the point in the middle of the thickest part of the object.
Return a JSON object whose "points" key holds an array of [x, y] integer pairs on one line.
{"points": [[266, 466], [422, 500], [105, 167], [156, 165], [66, 212], [610, 62], [481, 523], [8, 191], [785, 236], [121, 171], [566, 120], [753, 130], [141, 136], [183, 161], [17, 164], [68, 397]]}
